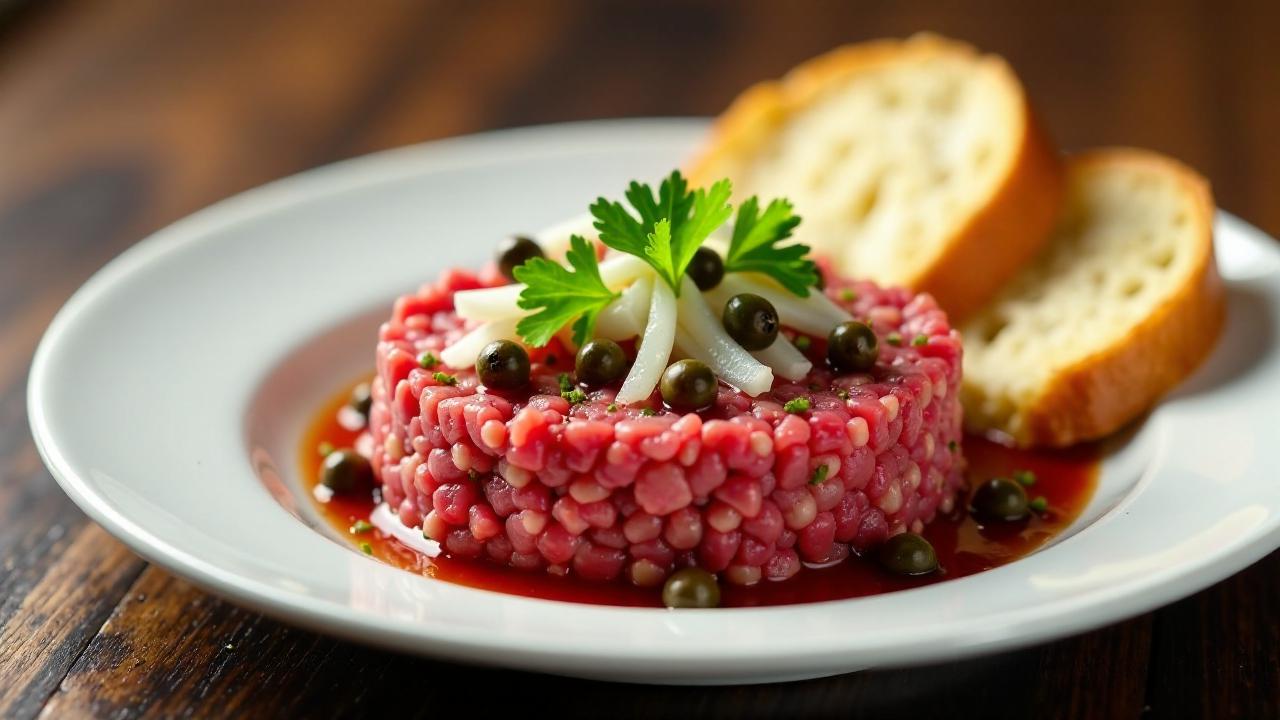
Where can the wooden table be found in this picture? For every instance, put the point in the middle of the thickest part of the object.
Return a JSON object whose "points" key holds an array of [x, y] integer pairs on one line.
{"points": [[117, 118]]}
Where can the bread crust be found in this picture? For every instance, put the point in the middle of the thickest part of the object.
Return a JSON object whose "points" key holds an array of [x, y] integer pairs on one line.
{"points": [[1103, 392], [999, 235]]}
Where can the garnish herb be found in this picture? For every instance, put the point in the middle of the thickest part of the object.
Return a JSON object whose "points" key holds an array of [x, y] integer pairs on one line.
{"points": [[842, 394], [366, 548], [819, 474], [754, 246], [1040, 504], [445, 378], [1025, 478], [848, 295], [360, 527], [560, 295], [574, 396], [566, 382], [647, 412], [671, 226], [797, 405], [803, 343], [893, 338], [613, 407], [920, 340], [428, 359]]}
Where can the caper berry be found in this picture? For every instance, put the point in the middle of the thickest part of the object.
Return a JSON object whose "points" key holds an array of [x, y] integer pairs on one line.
{"points": [[852, 347], [751, 321], [688, 385], [706, 269], [600, 362], [503, 365], [1000, 500], [691, 588], [907, 554], [346, 471], [514, 251], [361, 399]]}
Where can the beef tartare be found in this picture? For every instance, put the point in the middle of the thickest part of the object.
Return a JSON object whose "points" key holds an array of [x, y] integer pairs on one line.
{"points": [[675, 398]]}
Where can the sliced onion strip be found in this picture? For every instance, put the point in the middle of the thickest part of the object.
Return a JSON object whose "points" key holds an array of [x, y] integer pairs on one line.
{"points": [[655, 346]]}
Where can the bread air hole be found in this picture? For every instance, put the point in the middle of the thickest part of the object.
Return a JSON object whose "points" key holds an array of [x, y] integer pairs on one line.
{"points": [[865, 203], [1131, 287], [1164, 257], [992, 329]]}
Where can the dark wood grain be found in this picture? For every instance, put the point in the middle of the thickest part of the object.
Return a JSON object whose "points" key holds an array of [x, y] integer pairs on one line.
{"points": [[117, 118]]}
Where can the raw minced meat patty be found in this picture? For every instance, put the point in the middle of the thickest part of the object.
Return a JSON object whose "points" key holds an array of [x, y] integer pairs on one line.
{"points": [[632, 493]]}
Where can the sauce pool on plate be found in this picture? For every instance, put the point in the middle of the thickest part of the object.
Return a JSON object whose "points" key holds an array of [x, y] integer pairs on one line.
{"points": [[1065, 480]]}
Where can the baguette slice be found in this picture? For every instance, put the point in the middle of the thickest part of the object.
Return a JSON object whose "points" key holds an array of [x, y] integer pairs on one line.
{"points": [[912, 163], [1123, 304]]}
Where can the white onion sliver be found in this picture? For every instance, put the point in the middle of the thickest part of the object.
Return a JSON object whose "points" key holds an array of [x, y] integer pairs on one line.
{"points": [[785, 359], [655, 346], [726, 358], [625, 317], [496, 303], [463, 353], [815, 315], [555, 239]]}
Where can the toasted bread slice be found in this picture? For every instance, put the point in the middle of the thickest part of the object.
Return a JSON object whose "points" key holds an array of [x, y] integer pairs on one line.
{"points": [[1123, 304], [912, 163]]}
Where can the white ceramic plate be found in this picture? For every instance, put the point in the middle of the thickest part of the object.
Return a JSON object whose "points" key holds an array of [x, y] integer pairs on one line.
{"points": [[169, 395]]}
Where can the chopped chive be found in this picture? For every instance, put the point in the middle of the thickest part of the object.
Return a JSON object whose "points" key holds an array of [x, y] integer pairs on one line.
{"points": [[820, 474], [366, 548], [445, 378], [325, 448], [647, 412], [920, 340], [574, 396], [1026, 478], [566, 382], [360, 527], [428, 359], [1040, 504], [797, 405], [842, 394], [893, 338], [613, 407], [803, 343], [848, 295]]}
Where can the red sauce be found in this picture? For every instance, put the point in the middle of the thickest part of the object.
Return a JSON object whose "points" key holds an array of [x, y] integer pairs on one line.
{"points": [[1065, 479]]}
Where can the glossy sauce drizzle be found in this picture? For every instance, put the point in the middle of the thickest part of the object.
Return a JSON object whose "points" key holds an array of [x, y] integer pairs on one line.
{"points": [[1065, 479]]}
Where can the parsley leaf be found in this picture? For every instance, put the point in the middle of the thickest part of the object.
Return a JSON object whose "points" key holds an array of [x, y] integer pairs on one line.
{"points": [[561, 295], [671, 226], [754, 247]]}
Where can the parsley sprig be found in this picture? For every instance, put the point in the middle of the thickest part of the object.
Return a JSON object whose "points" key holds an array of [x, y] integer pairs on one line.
{"points": [[665, 229], [670, 227], [754, 247], [561, 296]]}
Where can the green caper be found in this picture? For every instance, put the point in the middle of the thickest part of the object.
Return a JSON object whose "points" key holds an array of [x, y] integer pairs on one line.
{"points": [[346, 471], [600, 362], [852, 347], [503, 365], [691, 588], [514, 251], [1000, 500], [706, 269], [751, 321], [361, 399], [688, 385], [907, 554]]}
